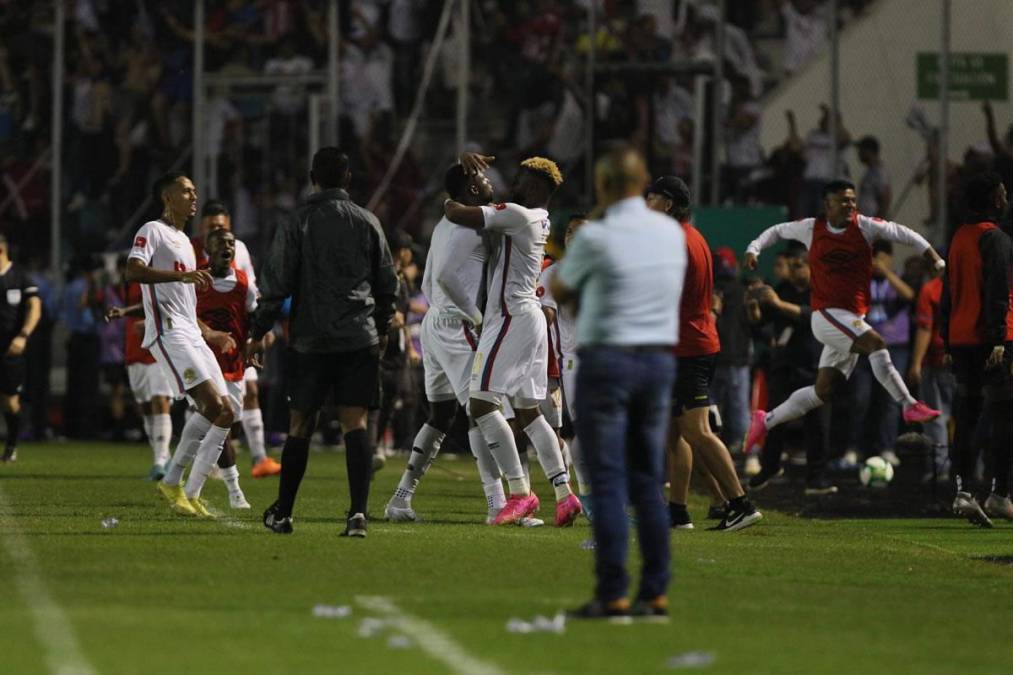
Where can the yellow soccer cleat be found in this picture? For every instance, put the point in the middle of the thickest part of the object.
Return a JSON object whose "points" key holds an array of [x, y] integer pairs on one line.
{"points": [[200, 508], [177, 500]]}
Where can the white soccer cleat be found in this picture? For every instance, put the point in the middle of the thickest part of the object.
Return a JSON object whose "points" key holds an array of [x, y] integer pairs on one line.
{"points": [[999, 507], [238, 501], [399, 514], [967, 506]]}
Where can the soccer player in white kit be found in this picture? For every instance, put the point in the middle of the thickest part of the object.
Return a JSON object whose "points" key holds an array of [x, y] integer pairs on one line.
{"points": [[451, 282], [511, 358], [162, 260], [215, 215]]}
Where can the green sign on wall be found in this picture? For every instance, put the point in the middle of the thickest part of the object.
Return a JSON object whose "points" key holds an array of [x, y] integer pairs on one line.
{"points": [[974, 76]]}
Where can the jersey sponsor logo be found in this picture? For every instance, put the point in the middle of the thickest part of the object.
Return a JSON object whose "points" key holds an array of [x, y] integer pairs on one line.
{"points": [[13, 296], [839, 257], [140, 242], [501, 206]]}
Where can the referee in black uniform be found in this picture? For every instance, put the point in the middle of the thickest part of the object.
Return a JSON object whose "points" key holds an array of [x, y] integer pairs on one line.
{"points": [[20, 310], [331, 257]]}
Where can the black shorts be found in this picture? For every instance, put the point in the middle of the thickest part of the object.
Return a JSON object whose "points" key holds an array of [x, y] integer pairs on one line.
{"points": [[353, 378], [693, 377], [12, 375], [974, 379]]}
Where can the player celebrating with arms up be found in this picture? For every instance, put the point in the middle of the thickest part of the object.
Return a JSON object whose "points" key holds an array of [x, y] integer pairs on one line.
{"points": [[840, 258], [162, 260]]}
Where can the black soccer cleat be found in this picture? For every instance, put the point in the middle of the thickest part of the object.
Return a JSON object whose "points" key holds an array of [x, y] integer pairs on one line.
{"points": [[739, 517], [10, 454], [763, 479], [679, 518], [617, 611], [275, 523], [355, 526]]}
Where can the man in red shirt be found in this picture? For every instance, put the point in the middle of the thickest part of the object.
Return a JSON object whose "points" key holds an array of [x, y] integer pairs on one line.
{"points": [[977, 328], [929, 374], [696, 355], [840, 260]]}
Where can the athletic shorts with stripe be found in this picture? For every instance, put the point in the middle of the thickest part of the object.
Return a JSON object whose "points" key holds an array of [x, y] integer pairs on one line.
{"points": [[838, 329], [512, 358], [186, 362], [148, 380], [448, 349]]}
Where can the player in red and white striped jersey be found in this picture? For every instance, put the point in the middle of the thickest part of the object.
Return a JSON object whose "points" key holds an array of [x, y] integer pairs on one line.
{"points": [[840, 257]]}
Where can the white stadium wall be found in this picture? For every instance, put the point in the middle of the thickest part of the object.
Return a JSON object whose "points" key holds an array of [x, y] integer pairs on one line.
{"points": [[878, 86]]}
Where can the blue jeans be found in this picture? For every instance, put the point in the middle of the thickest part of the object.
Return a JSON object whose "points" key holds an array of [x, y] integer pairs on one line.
{"points": [[623, 405], [937, 391], [730, 390]]}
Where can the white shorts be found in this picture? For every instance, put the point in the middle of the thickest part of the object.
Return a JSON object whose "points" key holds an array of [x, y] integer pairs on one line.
{"points": [[448, 349], [569, 369], [250, 374], [512, 359], [551, 406], [838, 329], [148, 380], [186, 362]]}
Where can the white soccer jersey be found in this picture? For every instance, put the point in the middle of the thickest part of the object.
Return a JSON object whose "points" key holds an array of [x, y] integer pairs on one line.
{"points": [[564, 332], [453, 273], [168, 307], [517, 256]]}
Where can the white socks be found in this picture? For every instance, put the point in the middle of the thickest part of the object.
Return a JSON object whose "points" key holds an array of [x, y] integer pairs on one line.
{"points": [[231, 477], [159, 434], [500, 440], [550, 456], [207, 457], [580, 468], [492, 483], [425, 447], [798, 404], [253, 429], [189, 440], [882, 368]]}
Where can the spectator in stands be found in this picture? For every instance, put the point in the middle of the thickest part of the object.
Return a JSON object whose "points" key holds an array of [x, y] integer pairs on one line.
{"points": [[742, 146], [1003, 149], [806, 24], [819, 163], [874, 192], [82, 310]]}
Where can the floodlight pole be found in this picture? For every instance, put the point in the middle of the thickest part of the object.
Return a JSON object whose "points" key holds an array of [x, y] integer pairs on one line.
{"points": [[333, 74], [943, 151], [589, 107], [199, 162], [56, 172], [463, 73]]}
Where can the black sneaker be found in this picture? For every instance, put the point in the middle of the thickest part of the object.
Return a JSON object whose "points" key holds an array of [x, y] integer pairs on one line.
{"points": [[679, 517], [651, 611], [739, 517], [819, 487], [613, 612], [10, 454], [355, 527], [763, 479], [717, 512], [275, 523]]}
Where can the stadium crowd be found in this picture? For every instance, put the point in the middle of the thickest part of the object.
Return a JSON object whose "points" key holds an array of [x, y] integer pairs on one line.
{"points": [[128, 88]]}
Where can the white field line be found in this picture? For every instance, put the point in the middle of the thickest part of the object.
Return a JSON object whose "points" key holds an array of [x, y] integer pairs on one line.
{"points": [[437, 644], [52, 627]]}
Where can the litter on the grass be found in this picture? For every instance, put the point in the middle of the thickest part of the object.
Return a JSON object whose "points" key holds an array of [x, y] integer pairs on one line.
{"points": [[539, 624], [332, 611], [587, 544], [110, 522], [530, 522], [370, 627], [399, 642], [691, 660]]}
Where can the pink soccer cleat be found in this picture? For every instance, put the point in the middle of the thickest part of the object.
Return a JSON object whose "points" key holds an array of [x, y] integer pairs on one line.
{"points": [[918, 413], [517, 507], [757, 431], [567, 511]]}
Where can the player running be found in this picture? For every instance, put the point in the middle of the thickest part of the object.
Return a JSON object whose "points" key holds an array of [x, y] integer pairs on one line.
{"points": [[148, 382], [840, 257], [511, 358], [162, 260], [225, 306], [19, 316], [696, 354], [215, 215], [451, 283]]}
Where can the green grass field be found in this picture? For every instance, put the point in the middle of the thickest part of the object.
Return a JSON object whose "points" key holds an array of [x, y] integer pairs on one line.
{"points": [[161, 594]]}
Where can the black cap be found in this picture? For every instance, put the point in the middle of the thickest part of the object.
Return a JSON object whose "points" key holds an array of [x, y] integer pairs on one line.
{"points": [[672, 187], [400, 239]]}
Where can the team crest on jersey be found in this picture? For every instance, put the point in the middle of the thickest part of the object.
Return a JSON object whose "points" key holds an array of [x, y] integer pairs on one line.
{"points": [[857, 323], [189, 375], [140, 242], [540, 292]]}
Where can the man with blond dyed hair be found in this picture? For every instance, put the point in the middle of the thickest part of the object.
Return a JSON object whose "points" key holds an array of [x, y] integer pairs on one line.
{"points": [[512, 354]]}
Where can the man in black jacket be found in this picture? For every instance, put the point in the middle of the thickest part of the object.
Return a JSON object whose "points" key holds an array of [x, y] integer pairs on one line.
{"points": [[331, 257]]}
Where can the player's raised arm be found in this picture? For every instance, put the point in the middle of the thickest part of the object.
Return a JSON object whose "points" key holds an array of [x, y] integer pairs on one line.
{"points": [[875, 228], [799, 230], [465, 216]]}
